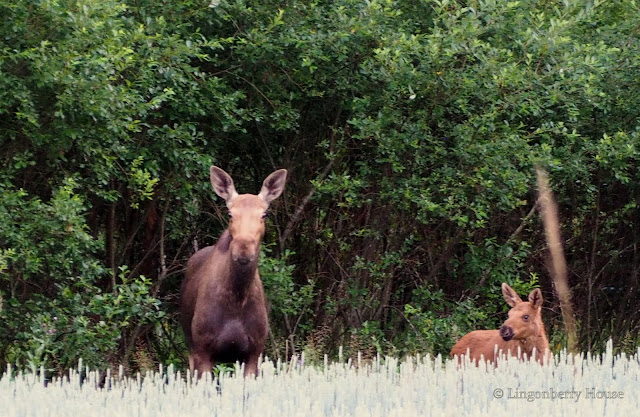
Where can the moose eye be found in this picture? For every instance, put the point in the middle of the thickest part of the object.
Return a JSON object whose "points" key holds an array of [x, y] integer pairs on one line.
{"points": [[264, 215], [230, 215], [525, 317]]}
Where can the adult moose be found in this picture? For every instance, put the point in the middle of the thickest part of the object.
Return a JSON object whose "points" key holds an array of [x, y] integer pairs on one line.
{"points": [[521, 334], [222, 304]]}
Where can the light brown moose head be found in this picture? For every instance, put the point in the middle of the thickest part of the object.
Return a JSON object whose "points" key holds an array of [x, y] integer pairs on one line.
{"points": [[247, 212]]}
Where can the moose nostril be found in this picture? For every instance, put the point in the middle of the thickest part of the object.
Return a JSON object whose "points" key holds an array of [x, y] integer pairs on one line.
{"points": [[243, 260], [506, 333]]}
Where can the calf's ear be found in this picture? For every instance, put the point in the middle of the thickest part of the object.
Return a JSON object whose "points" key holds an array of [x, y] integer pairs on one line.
{"points": [[535, 298], [510, 295]]}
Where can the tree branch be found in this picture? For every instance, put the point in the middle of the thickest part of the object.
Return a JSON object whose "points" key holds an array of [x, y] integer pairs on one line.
{"points": [[303, 204]]}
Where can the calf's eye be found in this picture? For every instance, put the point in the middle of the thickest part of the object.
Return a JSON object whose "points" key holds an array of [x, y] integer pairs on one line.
{"points": [[525, 317]]}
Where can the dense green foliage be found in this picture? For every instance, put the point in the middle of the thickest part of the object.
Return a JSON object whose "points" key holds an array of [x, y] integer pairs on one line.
{"points": [[410, 130]]}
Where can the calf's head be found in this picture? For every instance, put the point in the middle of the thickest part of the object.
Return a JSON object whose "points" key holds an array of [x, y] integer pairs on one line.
{"points": [[247, 212], [524, 317]]}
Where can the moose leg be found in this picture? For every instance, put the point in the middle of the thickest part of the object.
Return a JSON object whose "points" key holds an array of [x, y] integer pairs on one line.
{"points": [[200, 362], [251, 365]]}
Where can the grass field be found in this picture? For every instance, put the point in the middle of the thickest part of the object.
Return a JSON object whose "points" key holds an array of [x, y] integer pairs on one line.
{"points": [[579, 386]]}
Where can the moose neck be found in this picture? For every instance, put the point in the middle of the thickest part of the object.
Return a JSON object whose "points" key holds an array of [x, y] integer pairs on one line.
{"points": [[238, 278], [241, 277], [539, 342]]}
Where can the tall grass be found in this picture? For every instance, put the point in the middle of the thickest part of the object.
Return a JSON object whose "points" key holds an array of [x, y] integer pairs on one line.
{"points": [[581, 385]]}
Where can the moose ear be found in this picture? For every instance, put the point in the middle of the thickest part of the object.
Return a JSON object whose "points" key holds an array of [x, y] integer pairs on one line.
{"points": [[273, 185], [222, 184], [535, 298], [510, 295]]}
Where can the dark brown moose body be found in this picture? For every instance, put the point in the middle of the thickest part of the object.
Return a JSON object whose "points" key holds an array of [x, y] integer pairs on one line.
{"points": [[222, 302], [520, 335]]}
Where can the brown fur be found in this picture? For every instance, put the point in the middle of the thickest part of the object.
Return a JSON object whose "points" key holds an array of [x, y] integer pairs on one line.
{"points": [[520, 334], [222, 305]]}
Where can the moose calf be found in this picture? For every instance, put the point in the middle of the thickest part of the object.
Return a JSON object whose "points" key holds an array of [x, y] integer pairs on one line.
{"points": [[519, 335]]}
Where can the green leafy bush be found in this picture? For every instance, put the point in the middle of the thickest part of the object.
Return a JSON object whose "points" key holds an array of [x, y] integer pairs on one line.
{"points": [[55, 310], [410, 130]]}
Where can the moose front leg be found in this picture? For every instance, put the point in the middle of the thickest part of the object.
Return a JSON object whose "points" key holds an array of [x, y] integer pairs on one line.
{"points": [[200, 362], [251, 365]]}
